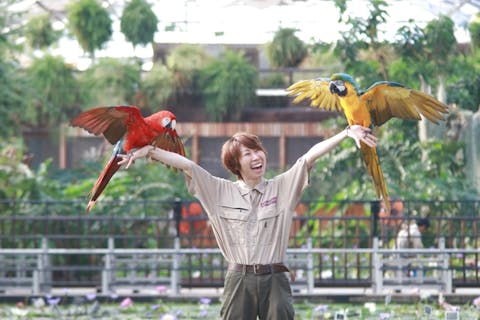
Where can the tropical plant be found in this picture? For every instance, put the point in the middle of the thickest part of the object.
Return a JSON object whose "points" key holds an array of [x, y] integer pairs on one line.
{"points": [[286, 50], [18, 180], [90, 23], [185, 62], [156, 88], [40, 33], [440, 174], [362, 39], [228, 85], [54, 94], [12, 86], [138, 22], [474, 29], [111, 82]]}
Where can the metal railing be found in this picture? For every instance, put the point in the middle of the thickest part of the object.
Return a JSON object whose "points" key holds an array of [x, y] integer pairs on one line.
{"points": [[165, 268], [338, 234]]}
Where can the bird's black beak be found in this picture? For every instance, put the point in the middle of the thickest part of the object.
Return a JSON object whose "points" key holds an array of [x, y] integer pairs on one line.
{"points": [[338, 87], [333, 88], [169, 125]]}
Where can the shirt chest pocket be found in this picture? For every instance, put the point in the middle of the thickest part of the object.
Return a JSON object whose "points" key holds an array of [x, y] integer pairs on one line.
{"points": [[234, 223], [269, 228]]}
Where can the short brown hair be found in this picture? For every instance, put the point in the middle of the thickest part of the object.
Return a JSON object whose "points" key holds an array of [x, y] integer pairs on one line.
{"points": [[231, 150]]}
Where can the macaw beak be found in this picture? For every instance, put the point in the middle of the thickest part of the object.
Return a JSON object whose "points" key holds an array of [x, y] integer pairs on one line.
{"points": [[333, 88], [338, 87]]}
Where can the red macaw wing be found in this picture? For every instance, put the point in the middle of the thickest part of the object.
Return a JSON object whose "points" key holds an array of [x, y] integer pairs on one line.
{"points": [[386, 100], [170, 141], [110, 121], [318, 92]]}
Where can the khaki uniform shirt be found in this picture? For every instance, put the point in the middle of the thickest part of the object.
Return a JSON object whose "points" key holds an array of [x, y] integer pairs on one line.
{"points": [[247, 233]]}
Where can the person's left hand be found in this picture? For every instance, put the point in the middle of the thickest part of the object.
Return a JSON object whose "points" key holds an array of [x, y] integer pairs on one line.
{"points": [[361, 134], [130, 158]]}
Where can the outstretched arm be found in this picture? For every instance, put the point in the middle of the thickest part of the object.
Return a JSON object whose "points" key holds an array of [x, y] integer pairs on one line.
{"points": [[356, 132], [169, 158]]}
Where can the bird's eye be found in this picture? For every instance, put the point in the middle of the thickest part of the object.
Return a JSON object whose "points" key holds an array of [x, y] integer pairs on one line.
{"points": [[165, 121], [338, 82]]}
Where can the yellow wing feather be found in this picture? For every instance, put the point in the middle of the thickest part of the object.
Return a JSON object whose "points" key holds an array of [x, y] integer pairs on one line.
{"points": [[317, 91], [386, 100]]}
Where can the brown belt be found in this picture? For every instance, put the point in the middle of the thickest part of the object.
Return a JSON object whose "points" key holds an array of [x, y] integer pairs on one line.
{"points": [[258, 268]]}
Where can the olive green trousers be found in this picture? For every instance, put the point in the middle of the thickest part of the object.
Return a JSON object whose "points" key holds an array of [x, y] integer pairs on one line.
{"points": [[247, 295]]}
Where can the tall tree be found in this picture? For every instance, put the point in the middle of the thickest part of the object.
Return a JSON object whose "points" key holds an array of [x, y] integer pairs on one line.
{"points": [[363, 36], [91, 24]]}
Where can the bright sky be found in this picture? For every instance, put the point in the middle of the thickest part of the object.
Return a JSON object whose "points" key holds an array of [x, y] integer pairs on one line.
{"points": [[255, 21]]}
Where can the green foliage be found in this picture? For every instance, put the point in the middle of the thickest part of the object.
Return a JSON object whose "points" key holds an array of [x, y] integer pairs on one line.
{"points": [[143, 181], [39, 32], [185, 62], [286, 50], [111, 82], [157, 87], [228, 86], [12, 99], [410, 41], [54, 94], [138, 22], [464, 81], [474, 29], [18, 181], [440, 42], [363, 36], [433, 170], [322, 55], [90, 23]]}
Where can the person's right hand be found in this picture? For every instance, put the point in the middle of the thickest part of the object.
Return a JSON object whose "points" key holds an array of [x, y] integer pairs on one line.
{"points": [[361, 134]]}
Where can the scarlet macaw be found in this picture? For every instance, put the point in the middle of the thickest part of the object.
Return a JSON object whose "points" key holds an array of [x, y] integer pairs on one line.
{"points": [[125, 127], [372, 107]]}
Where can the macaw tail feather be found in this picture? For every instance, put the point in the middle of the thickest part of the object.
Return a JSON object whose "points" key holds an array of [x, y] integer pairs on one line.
{"points": [[102, 181], [374, 169], [90, 205]]}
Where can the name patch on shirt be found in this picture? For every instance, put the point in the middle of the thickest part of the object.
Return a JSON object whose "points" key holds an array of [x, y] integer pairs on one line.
{"points": [[268, 202]]}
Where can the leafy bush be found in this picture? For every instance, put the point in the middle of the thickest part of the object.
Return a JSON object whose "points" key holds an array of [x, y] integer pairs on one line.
{"points": [[228, 85], [111, 82], [54, 92]]}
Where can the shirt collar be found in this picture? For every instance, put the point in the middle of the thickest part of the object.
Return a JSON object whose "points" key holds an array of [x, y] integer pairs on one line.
{"points": [[245, 189]]}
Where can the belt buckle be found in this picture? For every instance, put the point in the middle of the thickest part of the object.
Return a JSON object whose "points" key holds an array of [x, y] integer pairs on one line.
{"points": [[258, 268]]}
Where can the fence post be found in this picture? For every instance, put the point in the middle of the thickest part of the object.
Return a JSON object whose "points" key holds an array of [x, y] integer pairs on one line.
{"points": [[36, 282], [107, 271], [43, 265], [175, 274], [377, 275], [446, 272], [310, 275]]}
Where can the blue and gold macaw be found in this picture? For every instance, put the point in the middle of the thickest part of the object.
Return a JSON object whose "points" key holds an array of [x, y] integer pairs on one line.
{"points": [[372, 107]]}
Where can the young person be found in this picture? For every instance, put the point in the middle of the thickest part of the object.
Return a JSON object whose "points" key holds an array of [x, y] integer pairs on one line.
{"points": [[251, 217]]}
